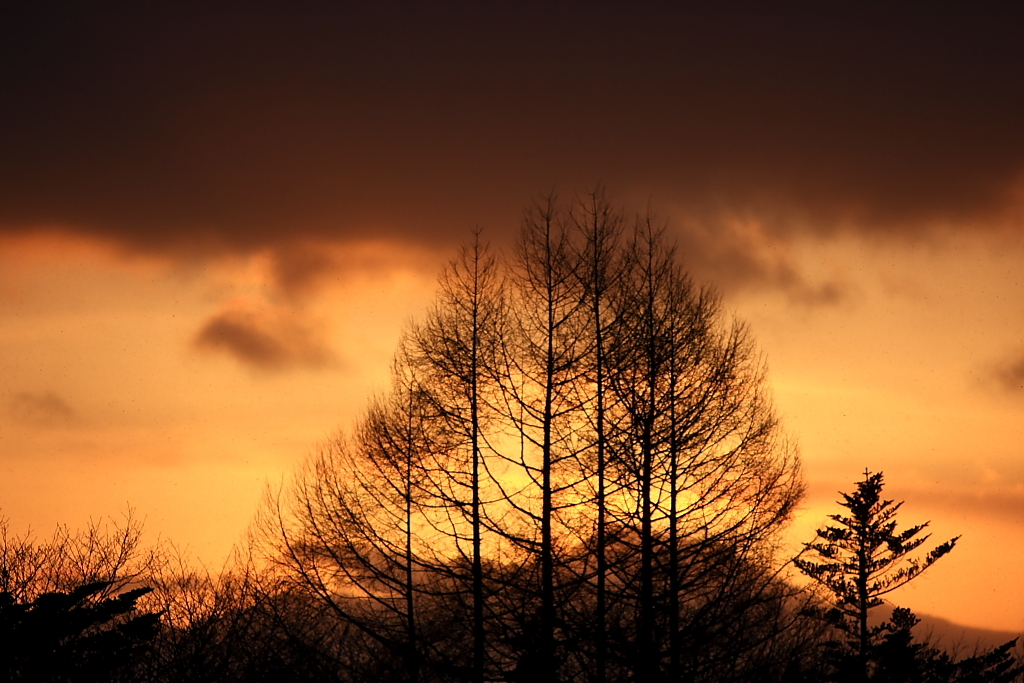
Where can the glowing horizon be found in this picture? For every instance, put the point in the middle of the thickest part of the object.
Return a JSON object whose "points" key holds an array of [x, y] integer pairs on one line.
{"points": [[214, 228]]}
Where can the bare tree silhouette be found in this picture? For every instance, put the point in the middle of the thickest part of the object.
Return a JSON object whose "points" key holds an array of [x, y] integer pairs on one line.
{"points": [[577, 468]]}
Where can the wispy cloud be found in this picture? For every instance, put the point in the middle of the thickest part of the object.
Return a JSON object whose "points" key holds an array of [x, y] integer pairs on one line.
{"points": [[1008, 375], [41, 409], [738, 255], [298, 268], [266, 341]]}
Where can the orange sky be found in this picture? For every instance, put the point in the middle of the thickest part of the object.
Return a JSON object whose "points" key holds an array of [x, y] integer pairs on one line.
{"points": [[213, 227]]}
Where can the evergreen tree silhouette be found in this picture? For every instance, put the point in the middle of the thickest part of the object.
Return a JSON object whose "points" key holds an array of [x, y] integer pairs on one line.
{"points": [[77, 635], [864, 557]]}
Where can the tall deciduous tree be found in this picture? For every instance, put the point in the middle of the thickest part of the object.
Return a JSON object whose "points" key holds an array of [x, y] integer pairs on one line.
{"points": [[600, 227], [357, 535], [454, 353], [578, 461], [705, 475]]}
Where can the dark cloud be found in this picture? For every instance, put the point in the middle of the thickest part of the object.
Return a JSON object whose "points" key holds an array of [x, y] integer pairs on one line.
{"points": [[1008, 376], [744, 255], [40, 409], [262, 341], [297, 268], [183, 126]]}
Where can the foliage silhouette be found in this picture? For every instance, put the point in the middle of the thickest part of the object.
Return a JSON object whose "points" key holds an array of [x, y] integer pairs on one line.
{"points": [[863, 558], [74, 636], [899, 659]]}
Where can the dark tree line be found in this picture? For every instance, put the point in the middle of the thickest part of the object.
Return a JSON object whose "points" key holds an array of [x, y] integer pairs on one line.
{"points": [[576, 475]]}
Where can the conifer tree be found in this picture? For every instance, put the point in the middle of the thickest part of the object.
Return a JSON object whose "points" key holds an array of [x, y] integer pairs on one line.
{"points": [[860, 559]]}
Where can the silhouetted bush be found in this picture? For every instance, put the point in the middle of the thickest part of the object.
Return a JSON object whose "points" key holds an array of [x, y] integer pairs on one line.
{"points": [[74, 636]]}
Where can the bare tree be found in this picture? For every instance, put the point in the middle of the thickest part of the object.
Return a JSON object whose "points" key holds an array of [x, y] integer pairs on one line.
{"points": [[109, 551], [454, 353], [704, 478], [600, 227], [577, 465], [356, 531]]}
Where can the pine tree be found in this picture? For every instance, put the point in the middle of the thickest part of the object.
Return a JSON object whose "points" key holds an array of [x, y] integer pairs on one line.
{"points": [[861, 559]]}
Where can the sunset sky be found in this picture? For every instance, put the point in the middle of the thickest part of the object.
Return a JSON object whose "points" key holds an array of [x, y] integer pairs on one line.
{"points": [[217, 218]]}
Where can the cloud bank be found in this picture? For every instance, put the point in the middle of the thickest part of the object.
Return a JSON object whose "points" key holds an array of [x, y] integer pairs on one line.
{"points": [[186, 126]]}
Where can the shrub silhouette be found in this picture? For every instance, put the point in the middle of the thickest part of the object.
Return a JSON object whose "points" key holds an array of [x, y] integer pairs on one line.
{"points": [[72, 636]]}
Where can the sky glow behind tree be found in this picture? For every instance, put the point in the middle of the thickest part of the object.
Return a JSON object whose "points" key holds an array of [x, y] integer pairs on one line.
{"points": [[215, 221]]}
